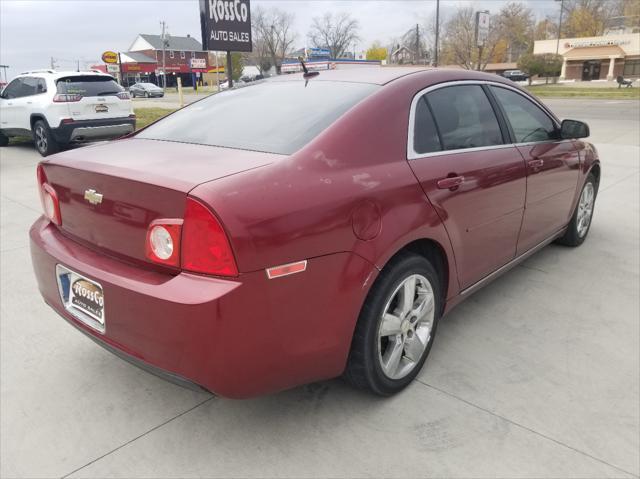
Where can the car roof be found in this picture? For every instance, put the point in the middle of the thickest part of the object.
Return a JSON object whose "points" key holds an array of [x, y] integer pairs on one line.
{"points": [[384, 75], [375, 74], [53, 74]]}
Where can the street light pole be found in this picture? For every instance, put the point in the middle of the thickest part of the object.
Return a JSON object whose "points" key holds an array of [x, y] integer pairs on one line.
{"points": [[435, 63], [559, 25]]}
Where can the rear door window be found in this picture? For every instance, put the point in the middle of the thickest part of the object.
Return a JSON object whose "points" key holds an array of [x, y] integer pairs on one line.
{"points": [[89, 85], [464, 117]]}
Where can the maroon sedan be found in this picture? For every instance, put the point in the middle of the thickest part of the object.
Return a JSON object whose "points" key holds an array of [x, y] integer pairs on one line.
{"points": [[305, 228]]}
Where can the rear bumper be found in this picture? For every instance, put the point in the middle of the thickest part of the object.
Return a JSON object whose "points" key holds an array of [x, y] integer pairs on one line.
{"points": [[236, 338], [89, 130]]}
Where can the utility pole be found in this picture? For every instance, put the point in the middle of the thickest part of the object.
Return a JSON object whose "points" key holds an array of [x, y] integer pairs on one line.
{"points": [[559, 25], [417, 43], [53, 63], [435, 63], [164, 47]]}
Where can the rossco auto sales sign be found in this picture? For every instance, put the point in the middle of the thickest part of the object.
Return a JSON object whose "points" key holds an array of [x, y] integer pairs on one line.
{"points": [[227, 24]]}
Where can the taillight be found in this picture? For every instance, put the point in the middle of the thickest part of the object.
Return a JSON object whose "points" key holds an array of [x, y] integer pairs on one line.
{"points": [[163, 241], [123, 95], [66, 97], [48, 198], [205, 247]]}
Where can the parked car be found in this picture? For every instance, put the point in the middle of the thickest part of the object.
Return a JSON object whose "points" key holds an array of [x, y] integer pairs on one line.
{"points": [[307, 228], [147, 90], [515, 75], [58, 108]]}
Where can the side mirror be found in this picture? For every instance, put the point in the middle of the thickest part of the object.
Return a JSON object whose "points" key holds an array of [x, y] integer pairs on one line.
{"points": [[573, 129]]}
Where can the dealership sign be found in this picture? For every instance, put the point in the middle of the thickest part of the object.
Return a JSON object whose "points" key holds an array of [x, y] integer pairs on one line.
{"points": [[227, 25], [110, 57]]}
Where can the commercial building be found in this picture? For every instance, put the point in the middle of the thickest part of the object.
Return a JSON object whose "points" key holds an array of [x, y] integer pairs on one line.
{"points": [[596, 58], [147, 61]]}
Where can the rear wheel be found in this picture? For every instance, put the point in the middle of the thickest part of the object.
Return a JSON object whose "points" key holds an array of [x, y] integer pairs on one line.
{"points": [[581, 220], [4, 141], [396, 326], [45, 143]]}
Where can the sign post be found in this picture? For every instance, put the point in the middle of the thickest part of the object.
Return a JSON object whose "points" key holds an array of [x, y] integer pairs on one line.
{"points": [[226, 26], [482, 32]]}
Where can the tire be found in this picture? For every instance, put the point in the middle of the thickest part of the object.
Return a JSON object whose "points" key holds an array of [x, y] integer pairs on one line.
{"points": [[371, 360], [580, 224], [132, 94], [4, 141], [43, 139]]}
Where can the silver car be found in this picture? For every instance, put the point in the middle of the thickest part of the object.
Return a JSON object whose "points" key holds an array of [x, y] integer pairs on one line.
{"points": [[146, 90]]}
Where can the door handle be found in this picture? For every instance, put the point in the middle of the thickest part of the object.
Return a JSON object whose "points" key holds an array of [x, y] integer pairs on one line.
{"points": [[537, 163], [452, 182]]}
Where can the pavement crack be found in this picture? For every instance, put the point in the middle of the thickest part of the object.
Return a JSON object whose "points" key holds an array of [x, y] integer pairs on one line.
{"points": [[522, 426], [201, 403]]}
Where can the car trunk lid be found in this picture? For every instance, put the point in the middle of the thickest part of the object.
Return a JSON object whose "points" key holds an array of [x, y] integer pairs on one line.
{"points": [[139, 181]]}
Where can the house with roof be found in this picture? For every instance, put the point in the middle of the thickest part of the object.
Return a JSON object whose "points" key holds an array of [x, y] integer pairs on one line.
{"points": [[150, 57]]}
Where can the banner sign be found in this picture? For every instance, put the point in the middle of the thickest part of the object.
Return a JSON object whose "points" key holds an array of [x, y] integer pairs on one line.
{"points": [[226, 25], [482, 28], [198, 63]]}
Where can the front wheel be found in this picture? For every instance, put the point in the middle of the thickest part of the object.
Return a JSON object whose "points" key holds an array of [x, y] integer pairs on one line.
{"points": [[45, 143], [581, 220], [396, 326]]}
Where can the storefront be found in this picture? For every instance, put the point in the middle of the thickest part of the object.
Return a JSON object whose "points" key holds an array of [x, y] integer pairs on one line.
{"points": [[596, 58]]}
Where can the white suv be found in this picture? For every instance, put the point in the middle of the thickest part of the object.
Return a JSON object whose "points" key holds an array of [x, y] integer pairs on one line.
{"points": [[58, 108]]}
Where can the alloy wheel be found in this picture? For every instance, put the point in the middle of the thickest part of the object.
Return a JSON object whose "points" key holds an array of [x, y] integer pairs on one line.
{"points": [[404, 330], [585, 209], [41, 139]]}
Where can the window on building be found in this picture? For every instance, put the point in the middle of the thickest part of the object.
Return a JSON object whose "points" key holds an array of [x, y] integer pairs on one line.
{"points": [[193, 54], [631, 68], [171, 54], [182, 55]]}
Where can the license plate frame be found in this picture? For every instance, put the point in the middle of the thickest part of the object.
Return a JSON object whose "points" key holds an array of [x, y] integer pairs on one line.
{"points": [[82, 297]]}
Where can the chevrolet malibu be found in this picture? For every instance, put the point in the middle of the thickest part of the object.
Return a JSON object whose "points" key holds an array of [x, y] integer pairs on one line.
{"points": [[305, 228]]}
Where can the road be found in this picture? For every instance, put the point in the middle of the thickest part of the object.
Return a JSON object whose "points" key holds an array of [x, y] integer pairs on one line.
{"points": [[535, 375]]}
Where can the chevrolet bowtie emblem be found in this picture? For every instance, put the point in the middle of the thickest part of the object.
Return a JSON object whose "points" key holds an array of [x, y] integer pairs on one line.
{"points": [[93, 197]]}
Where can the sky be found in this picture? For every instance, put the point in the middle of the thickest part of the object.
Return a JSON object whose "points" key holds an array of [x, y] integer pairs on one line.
{"points": [[33, 31]]}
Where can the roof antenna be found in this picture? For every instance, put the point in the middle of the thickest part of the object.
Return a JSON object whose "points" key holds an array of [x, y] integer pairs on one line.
{"points": [[307, 73]]}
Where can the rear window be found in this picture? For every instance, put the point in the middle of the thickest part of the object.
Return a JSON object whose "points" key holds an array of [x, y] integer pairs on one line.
{"points": [[274, 117], [88, 85]]}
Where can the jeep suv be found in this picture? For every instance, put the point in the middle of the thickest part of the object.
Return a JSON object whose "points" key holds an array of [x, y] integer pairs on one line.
{"points": [[58, 108]]}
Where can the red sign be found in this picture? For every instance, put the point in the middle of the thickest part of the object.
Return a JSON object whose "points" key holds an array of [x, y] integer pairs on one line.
{"points": [[139, 67]]}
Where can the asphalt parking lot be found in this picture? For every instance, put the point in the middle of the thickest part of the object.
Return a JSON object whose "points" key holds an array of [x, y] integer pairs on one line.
{"points": [[536, 375]]}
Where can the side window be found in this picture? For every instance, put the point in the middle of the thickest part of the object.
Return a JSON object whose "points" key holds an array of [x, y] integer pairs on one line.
{"points": [[425, 134], [29, 86], [464, 117], [12, 90], [528, 122], [41, 86]]}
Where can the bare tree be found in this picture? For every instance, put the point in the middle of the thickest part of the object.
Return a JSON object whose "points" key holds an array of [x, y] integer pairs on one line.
{"points": [[459, 41], [273, 37], [336, 33], [515, 24]]}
